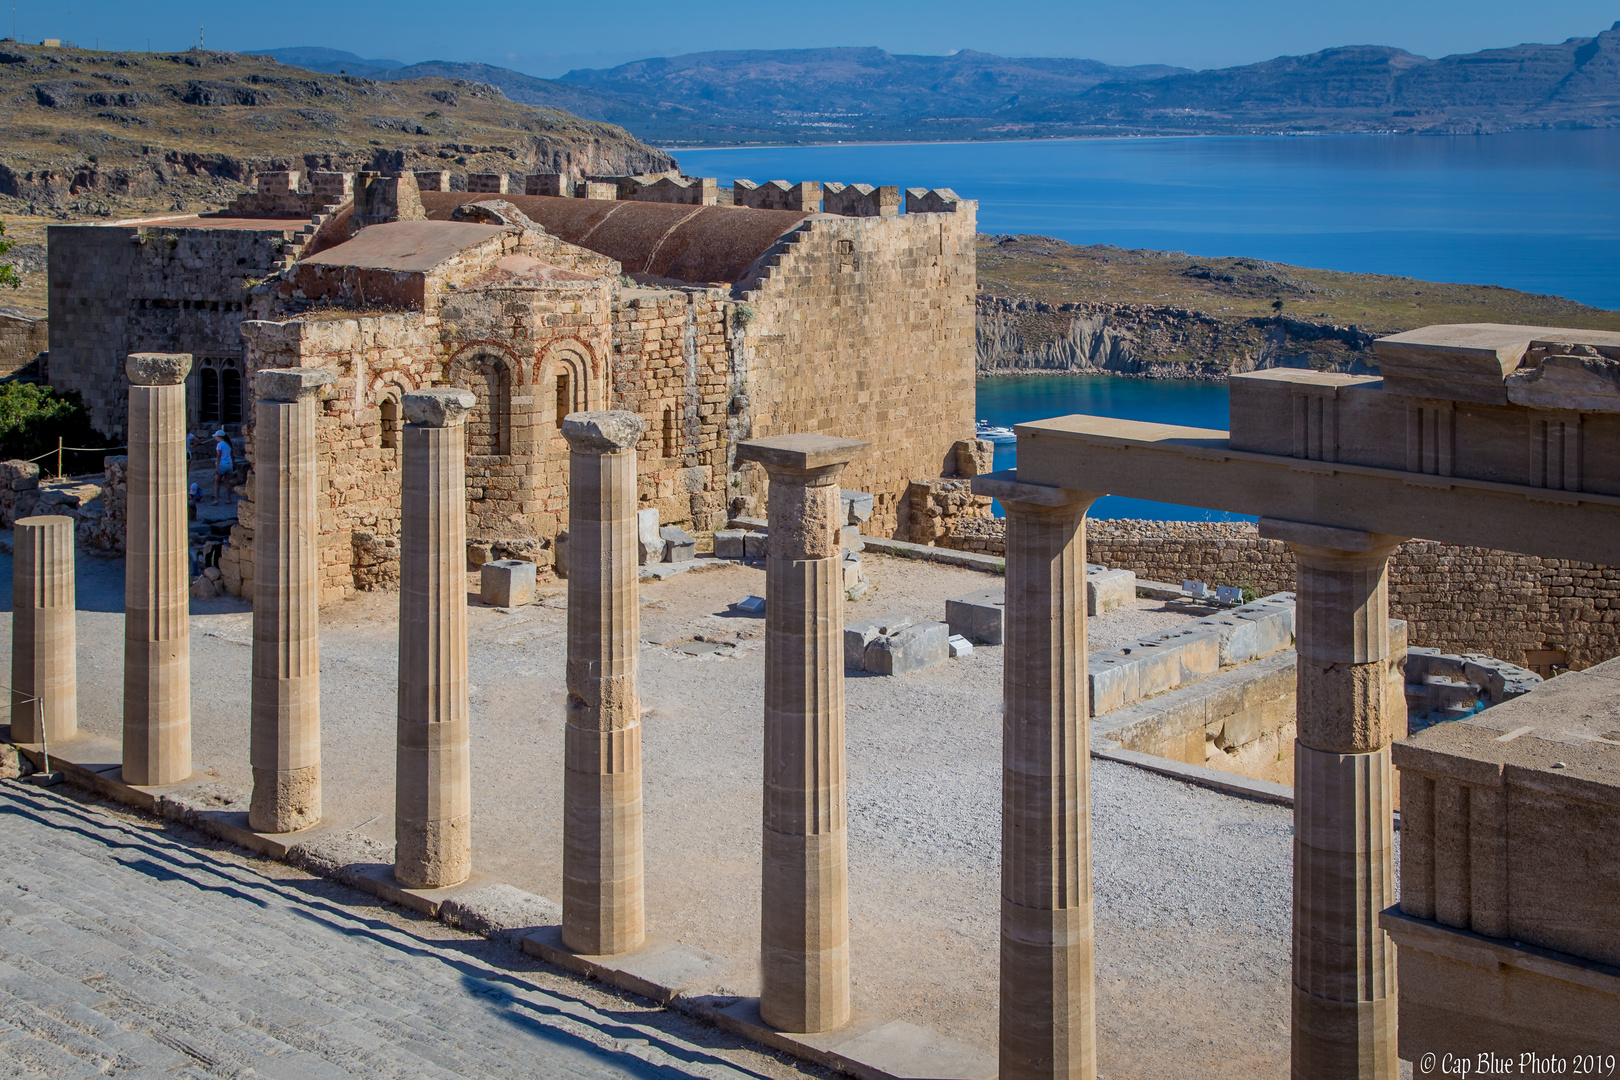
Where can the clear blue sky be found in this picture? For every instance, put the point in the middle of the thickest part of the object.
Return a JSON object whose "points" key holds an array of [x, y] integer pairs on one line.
{"points": [[549, 38]]}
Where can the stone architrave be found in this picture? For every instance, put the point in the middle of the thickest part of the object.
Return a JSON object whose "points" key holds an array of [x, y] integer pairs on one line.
{"points": [[44, 677], [1048, 988], [1344, 1001], [433, 772], [157, 581], [285, 742], [602, 906], [804, 919]]}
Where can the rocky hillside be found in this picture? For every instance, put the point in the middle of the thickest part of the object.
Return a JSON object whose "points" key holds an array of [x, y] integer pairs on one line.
{"points": [[86, 133], [1047, 306]]}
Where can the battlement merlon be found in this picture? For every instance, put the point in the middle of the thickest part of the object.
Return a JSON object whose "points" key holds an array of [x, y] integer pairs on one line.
{"points": [[932, 201], [860, 200], [804, 196]]}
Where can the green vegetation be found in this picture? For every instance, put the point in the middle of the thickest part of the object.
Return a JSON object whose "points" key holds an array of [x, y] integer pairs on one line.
{"points": [[33, 418], [8, 273]]}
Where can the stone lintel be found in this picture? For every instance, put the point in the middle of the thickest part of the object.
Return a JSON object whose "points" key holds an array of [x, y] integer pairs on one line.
{"points": [[1199, 467], [440, 406], [1327, 536], [157, 369], [802, 452], [290, 384], [603, 432], [1006, 486]]}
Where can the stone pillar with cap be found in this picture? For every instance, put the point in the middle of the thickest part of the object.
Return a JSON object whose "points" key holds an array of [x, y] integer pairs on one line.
{"points": [[804, 917], [157, 578], [44, 674], [433, 771], [285, 740], [1344, 1001], [1048, 1015], [602, 906]]}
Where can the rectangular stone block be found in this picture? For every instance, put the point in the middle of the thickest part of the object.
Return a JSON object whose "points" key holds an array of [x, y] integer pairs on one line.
{"points": [[754, 545], [852, 538], [729, 544], [960, 646], [1253, 631], [1108, 590], [857, 636], [679, 545], [506, 583], [912, 648], [750, 605], [649, 544], [858, 506], [978, 616]]}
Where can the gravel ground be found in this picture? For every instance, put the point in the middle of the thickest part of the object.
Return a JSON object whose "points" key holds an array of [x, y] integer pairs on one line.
{"points": [[1191, 886]]}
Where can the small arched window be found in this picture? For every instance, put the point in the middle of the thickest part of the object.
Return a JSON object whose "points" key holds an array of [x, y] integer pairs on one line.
{"points": [[208, 396], [489, 425], [230, 396], [669, 432], [390, 422], [565, 398]]}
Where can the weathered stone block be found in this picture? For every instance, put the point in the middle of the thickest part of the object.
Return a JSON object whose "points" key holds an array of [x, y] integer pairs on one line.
{"points": [[506, 583], [679, 545], [857, 636], [754, 545], [859, 506], [960, 646], [729, 544], [978, 616], [911, 648], [852, 538], [650, 545], [1107, 590]]}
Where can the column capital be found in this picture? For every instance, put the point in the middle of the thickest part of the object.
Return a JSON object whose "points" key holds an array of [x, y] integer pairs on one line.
{"points": [[801, 459], [1006, 486], [604, 432], [1329, 544], [157, 369], [290, 384], [440, 406]]}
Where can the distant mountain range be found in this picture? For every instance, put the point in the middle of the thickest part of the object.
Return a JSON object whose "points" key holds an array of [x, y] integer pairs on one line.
{"points": [[822, 95]]}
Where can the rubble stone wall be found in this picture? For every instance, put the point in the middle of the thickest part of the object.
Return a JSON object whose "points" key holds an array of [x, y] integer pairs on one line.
{"points": [[863, 328], [22, 339], [1456, 599], [117, 289]]}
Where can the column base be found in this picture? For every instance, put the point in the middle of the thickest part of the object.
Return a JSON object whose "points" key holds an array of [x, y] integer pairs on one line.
{"points": [[1343, 1040], [804, 931], [433, 854], [1048, 1003], [285, 800]]}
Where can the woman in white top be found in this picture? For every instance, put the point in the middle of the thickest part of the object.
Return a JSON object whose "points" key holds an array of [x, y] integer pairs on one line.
{"points": [[224, 465]]}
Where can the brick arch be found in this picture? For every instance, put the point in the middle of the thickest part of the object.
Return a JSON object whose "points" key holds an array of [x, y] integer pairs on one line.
{"points": [[494, 374], [572, 358]]}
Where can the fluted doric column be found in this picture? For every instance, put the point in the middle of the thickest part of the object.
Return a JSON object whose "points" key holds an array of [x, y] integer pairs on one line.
{"points": [[1048, 988], [157, 575], [804, 899], [1344, 874], [44, 673], [285, 742], [603, 910], [433, 772]]}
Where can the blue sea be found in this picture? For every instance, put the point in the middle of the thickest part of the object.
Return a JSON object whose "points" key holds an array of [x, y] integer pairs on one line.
{"points": [[1538, 211]]}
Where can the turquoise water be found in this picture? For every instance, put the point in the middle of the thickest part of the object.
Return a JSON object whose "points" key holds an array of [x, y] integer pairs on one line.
{"points": [[1538, 211], [1014, 400], [1533, 210]]}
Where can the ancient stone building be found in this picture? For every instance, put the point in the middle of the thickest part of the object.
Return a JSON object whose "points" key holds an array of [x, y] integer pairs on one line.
{"points": [[714, 323]]}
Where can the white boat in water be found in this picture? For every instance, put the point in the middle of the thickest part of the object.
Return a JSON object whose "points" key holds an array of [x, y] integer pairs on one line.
{"points": [[995, 433]]}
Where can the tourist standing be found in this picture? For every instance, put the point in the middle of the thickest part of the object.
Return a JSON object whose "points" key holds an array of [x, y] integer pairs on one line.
{"points": [[224, 464]]}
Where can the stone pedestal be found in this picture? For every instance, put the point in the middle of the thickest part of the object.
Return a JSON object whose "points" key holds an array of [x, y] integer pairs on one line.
{"points": [[1048, 994], [44, 680], [1344, 874], [157, 579], [285, 742], [804, 920], [433, 774], [602, 906]]}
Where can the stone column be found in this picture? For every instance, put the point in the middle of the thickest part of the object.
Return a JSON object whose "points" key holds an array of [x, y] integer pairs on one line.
{"points": [[1344, 873], [602, 866], [804, 917], [157, 575], [1048, 989], [286, 715], [44, 678], [433, 773]]}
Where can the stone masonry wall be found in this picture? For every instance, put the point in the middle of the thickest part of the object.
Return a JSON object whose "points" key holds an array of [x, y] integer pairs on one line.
{"points": [[671, 364], [863, 328], [1456, 599], [143, 288]]}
